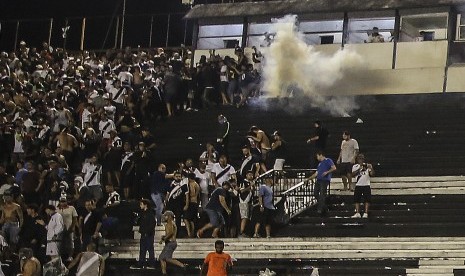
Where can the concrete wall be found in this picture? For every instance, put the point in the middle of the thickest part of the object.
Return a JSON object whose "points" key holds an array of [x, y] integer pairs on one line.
{"points": [[389, 81], [327, 49], [421, 54], [375, 55], [456, 78]]}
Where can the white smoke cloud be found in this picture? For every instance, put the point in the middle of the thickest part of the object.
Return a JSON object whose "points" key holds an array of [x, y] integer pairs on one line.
{"points": [[292, 65]]}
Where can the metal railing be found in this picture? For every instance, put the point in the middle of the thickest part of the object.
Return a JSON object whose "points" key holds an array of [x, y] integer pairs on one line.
{"points": [[291, 187]]}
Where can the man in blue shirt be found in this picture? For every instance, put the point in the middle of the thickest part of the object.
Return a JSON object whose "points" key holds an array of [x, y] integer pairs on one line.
{"points": [[323, 178], [158, 188], [265, 198]]}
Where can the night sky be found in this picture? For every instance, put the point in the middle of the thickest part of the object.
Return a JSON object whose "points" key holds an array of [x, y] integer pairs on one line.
{"points": [[98, 13], [12, 9]]}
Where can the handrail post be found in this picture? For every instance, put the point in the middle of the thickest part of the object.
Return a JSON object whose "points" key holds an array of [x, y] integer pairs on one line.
{"points": [[50, 31], [16, 35]]}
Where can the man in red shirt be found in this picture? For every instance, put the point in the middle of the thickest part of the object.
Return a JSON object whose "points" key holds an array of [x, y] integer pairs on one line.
{"points": [[217, 263]]}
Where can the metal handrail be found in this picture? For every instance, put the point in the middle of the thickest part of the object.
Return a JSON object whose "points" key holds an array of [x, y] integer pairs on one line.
{"points": [[291, 186]]}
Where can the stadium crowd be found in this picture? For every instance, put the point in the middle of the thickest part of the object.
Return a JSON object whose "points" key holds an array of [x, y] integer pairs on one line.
{"points": [[76, 139]]}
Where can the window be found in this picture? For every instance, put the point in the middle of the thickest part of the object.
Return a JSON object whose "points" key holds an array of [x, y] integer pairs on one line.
{"points": [[219, 36], [460, 34], [361, 28], [256, 34], [322, 32], [431, 26]]}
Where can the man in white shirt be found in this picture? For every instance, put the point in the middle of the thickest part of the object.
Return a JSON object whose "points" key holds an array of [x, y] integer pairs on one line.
{"points": [[204, 182], [105, 126], [117, 92], [86, 116], [92, 173], [124, 75], [209, 156], [222, 172], [70, 216], [346, 159], [55, 228], [363, 172]]}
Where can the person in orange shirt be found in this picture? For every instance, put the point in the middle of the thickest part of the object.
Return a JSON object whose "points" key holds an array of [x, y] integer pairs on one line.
{"points": [[217, 263]]}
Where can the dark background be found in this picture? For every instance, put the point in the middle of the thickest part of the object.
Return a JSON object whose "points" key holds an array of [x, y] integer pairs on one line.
{"points": [[100, 24], [13, 9]]}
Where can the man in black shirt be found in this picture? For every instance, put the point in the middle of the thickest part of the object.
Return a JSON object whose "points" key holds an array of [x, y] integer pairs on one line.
{"points": [[317, 141], [158, 187], [142, 161], [215, 208], [147, 225], [33, 234], [90, 224], [249, 163], [178, 195]]}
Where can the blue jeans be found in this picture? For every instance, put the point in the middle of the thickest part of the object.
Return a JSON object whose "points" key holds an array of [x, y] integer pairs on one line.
{"points": [[158, 200], [146, 244], [320, 192], [10, 231], [215, 217]]}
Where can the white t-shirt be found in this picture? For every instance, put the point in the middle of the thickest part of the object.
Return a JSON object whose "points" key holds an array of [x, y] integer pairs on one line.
{"points": [[209, 162], [105, 127], [217, 169], [18, 147], [55, 226], [348, 150], [223, 75], [363, 177], [110, 110], [68, 214], [204, 180], [90, 169], [85, 117], [116, 95], [125, 76]]}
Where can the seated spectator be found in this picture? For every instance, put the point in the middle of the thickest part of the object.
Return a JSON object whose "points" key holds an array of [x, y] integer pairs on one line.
{"points": [[374, 36]]}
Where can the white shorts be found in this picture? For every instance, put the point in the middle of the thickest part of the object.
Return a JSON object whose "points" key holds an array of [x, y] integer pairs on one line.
{"points": [[52, 249], [244, 209]]}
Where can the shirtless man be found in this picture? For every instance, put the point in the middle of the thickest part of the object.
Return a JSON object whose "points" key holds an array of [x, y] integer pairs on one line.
{"points": [[191, 205], [263, 143], [30, 265], [166, 255], [12, 220], [67, 143]]}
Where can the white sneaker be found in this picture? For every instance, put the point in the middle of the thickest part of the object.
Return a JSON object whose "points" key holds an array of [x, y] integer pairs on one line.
{"points": [[357, 215], [365, 215]]}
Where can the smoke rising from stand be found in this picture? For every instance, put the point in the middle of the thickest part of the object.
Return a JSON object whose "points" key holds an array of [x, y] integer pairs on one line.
{"points": [[293, 68]]}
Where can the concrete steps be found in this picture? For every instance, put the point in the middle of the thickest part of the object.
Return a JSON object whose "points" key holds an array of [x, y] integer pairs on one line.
{"points": [[311, 248], [417, 222], [409, 185], [434, 255]]}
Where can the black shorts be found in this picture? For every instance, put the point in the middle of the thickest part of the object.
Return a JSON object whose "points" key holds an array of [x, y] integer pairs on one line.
{"points": [[266, 217], [362, 192], [345, 168], [191, 213], [234, 220], [224, 87]]}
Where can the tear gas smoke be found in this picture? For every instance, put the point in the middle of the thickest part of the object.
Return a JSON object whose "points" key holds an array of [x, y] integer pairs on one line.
{"points": [[293, 66]]}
